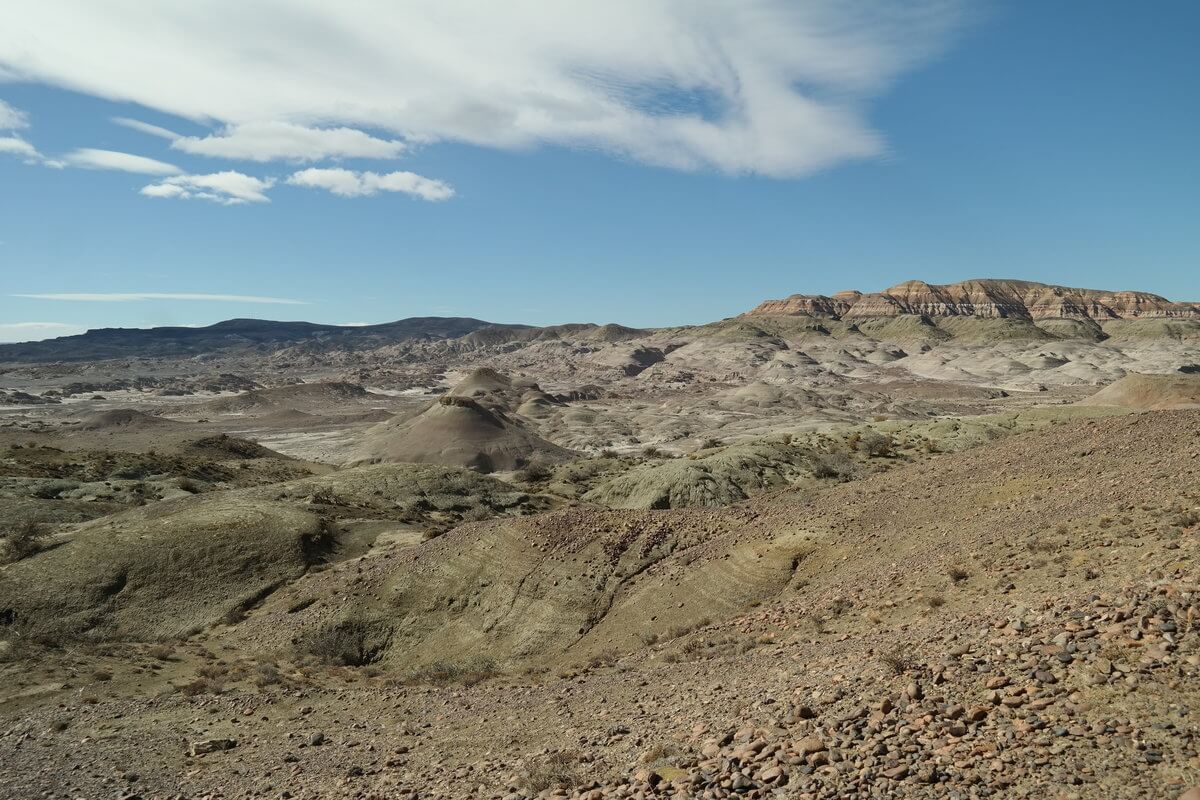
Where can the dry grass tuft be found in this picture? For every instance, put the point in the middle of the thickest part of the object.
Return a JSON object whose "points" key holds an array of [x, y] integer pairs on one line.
{"points": [[897, 661], [551, 771], [22, 540], [444, 673]]}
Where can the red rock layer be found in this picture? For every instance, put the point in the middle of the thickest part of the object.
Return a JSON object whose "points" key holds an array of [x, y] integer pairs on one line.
{"points": [[985, 298]]}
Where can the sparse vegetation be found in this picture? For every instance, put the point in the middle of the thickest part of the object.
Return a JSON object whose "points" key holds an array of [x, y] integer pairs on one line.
{"points": [[552, 771], [1039, 545], [348, 643], [837, 466], [21, 540], [897, 661], [202, 686], [161, 652], [534, 472], [443, 673], [874, 444], [267, 675]]}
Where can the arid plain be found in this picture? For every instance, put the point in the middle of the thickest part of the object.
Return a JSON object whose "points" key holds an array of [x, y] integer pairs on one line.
{"points": [[936, 541]]}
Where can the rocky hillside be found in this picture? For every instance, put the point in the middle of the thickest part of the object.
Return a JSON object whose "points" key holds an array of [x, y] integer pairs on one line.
{"points": [[1026, 300], [1017, 621]]}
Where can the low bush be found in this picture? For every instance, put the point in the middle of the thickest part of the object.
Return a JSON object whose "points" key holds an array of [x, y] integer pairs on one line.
{"points": [[22, 540], [444, 673], [874, 444], [897, 661], [552, 771], [837, 466], [348, 643]]}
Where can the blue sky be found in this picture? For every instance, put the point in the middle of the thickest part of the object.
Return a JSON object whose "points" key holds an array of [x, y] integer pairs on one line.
{"points": [[553, 176]]}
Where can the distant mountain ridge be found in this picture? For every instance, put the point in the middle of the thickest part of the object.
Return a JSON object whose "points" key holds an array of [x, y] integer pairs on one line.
{"points": [[973, 310], [239, 334], [991, 298]]}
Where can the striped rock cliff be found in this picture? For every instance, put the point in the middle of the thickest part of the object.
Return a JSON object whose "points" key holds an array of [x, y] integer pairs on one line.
{"points": [[985, 298]]}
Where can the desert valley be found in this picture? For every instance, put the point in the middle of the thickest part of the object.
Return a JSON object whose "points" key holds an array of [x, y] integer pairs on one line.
{"points": [[934, 541]]}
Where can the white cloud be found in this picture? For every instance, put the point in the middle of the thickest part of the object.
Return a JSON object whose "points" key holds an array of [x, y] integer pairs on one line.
{"points": [[268, 141], [91, 158], [86, 157], [125, 297], [12, 119], [34, 331], [146, 127], [775, 87], [15, 145], [228, 188], [348, 183]]}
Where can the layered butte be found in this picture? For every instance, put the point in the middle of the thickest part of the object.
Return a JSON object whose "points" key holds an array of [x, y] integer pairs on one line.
{"points": [[985, 298]]}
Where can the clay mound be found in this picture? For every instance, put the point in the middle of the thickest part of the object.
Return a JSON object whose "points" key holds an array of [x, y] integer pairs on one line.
{"points": [[302, 397], [1150, 393], [730, 475], [1087, 329], [123, 419], [221, 447], [457, 431], [614, 333], [536, 403], [482, 381]]}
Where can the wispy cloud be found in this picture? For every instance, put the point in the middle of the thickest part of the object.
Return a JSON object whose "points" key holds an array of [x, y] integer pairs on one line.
{"points": [[33, 331], [12, 119], [228, 188], [91, 158], [146, 127], [773, 87], [15, 145], [348, 183], [125, 297], [270, 141]]}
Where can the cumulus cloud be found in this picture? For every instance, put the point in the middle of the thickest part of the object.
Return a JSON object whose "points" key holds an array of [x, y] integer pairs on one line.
{"points": [[228, 188], [12, 119], [35, 331], [125, 162], [347, 183], [125, 297], [774, 87]]}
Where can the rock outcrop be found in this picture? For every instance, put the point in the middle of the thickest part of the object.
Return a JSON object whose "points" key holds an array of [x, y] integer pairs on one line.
{"points": [[1008, 299]]}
